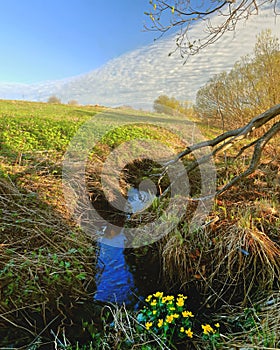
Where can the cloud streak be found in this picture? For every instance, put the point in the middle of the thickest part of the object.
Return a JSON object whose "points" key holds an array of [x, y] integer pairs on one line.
{"points": [[138, 77]]}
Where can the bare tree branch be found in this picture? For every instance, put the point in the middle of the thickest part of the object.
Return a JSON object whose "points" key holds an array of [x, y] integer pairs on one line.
{"points": [[182, 14], [228, 139], [233, 135], [259, 146]]}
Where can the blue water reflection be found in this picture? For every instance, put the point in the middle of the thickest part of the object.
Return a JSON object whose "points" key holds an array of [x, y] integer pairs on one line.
{"points": [[115, 281]]}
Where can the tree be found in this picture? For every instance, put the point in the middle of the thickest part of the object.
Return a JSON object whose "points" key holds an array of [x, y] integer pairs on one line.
{"points": [[244, 100], [252, 86], [73, 102], [54, 99], [165, 104], [166, 15], [170, 105]]}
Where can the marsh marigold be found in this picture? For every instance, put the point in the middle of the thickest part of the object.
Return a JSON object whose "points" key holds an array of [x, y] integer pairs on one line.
{"points": [[189, 333], [207, 329], [187, 314], [180, 302], [148, 325]]}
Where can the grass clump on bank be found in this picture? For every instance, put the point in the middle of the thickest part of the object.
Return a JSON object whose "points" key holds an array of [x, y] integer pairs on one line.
{"points": [[236, 255], [46, 266]]}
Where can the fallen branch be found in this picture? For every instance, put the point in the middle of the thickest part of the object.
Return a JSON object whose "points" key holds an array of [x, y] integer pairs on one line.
{"points": [[228, 139]]}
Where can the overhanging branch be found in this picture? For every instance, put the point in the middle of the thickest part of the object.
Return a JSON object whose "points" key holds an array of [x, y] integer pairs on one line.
{"points": [[230, 138]]}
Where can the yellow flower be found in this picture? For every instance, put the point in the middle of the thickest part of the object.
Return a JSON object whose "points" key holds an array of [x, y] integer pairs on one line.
{"points": [[149, 297], [182, 296], [172, 308], [187, 314], [217, 325], [175, 315], [180, 302], [160, 323], [168, 298], [182, 329], [207, 329], [189, 333], [154, 312], [158, 295], [169, 318], [148, 325], [154, 302]]}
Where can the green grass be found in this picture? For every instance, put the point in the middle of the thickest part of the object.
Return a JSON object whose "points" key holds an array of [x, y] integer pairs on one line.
{"points": [[29, 127], [47, 265]]}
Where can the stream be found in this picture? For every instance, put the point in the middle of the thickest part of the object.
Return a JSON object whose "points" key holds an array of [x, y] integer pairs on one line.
{"points": [[116, 277]]}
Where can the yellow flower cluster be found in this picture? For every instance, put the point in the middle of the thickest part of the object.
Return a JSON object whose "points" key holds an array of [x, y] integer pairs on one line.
{"points": [[207, 329], [187, 314], [182, 296], [159, 295], [164, 311], [170, 318], [168, 298], [188, 332], [148, 325], [180, 302]]}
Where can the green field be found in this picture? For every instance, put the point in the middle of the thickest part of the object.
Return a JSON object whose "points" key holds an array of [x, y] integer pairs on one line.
{"points": [[48, 264]]}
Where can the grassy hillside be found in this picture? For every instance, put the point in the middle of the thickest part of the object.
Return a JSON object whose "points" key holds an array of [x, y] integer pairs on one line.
{"points": [[47, 263]]}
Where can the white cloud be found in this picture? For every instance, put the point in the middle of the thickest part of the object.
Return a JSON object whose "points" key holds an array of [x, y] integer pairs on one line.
{"points": [[138, 77]]}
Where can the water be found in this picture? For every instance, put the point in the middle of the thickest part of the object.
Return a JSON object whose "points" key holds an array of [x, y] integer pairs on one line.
{"points": [[115, 280], [139, 200]]}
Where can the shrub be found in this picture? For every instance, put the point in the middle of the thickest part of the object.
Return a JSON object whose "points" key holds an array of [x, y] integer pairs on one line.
{"points": [[54, 99]]}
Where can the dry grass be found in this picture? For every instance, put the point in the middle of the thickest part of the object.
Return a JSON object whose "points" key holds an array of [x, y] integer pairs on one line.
{"points": [[226, 262], [46, 266], [237, 255], [257, 327]]}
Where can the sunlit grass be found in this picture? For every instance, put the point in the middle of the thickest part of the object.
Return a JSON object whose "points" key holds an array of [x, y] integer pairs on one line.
{"points": [[232, 262]]}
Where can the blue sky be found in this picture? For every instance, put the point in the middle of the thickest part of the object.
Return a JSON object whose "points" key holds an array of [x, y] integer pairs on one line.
{"points": [[55, 39]]}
